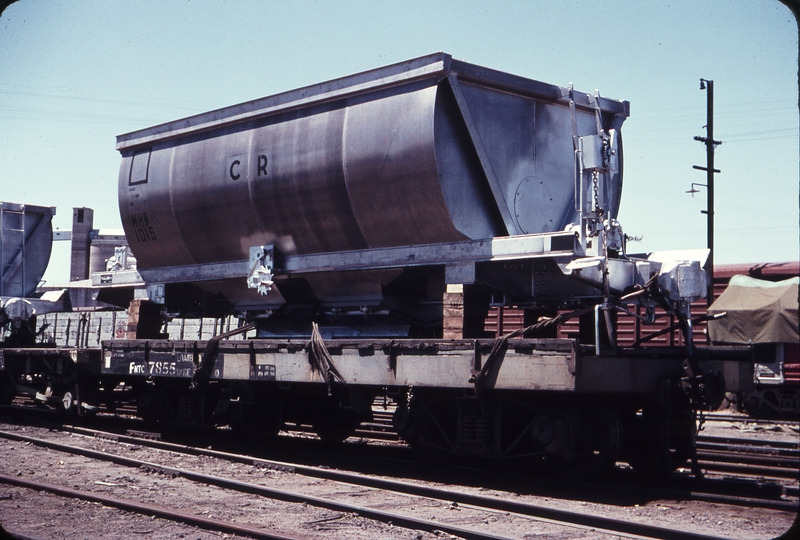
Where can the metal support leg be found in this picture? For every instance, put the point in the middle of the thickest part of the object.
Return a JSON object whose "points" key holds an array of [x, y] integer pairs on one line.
{"points": [[597, 329]]}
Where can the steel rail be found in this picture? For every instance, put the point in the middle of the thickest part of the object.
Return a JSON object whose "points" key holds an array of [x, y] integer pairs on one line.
{"points": [[742, 442], [750, 470], [562, 517], [712, 417], [764, 458], [148, 509], [718, 498], [13, 534]]}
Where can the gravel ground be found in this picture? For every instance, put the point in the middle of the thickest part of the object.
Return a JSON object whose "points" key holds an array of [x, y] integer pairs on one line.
{"points": [[51, 517]]}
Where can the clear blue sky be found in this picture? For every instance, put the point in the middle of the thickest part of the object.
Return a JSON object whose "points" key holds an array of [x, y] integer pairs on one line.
{"points": [[75, 73]]}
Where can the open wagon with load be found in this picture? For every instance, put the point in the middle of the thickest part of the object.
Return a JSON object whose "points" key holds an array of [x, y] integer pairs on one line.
{"points": [[763, 314]]}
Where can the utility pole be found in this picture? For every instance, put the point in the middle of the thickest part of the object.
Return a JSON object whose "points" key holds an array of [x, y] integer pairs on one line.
{"points": [[711, 144]]}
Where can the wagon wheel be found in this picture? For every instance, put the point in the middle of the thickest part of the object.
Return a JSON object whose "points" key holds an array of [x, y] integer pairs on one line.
{"points": [[70, 402], [757, 406], [148, 404], [422, 430], [8, 389], [659, 460], [596, 448], [659, 455], [335, 426], [255, 413], [109, 398]]}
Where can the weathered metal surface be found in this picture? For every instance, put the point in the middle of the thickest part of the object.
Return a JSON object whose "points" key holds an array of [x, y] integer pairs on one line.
{"points": [[428, 151], [48, 360], [26, 240], [494, 249], [526, 365], [645, 371]]}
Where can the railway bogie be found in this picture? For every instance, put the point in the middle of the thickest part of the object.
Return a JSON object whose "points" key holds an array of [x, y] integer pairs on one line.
{"points": [[577, 435], [64, 379]]}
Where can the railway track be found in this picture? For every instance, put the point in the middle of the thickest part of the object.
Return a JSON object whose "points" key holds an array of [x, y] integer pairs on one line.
{"points": [[440, 496], [146, 509], [741, 490], [752, 457], [755, 474]]}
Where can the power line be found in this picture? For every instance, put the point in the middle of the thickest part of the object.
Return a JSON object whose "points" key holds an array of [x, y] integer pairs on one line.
{"points": [[56, 115], [99, 97]]}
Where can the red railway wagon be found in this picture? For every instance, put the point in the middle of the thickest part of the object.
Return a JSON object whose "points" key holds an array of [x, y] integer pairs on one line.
{"points": [[778, 396], [502, 320]]}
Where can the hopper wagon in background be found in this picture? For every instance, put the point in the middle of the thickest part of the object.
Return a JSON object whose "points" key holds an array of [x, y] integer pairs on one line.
{"points": [[26, 240]]}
